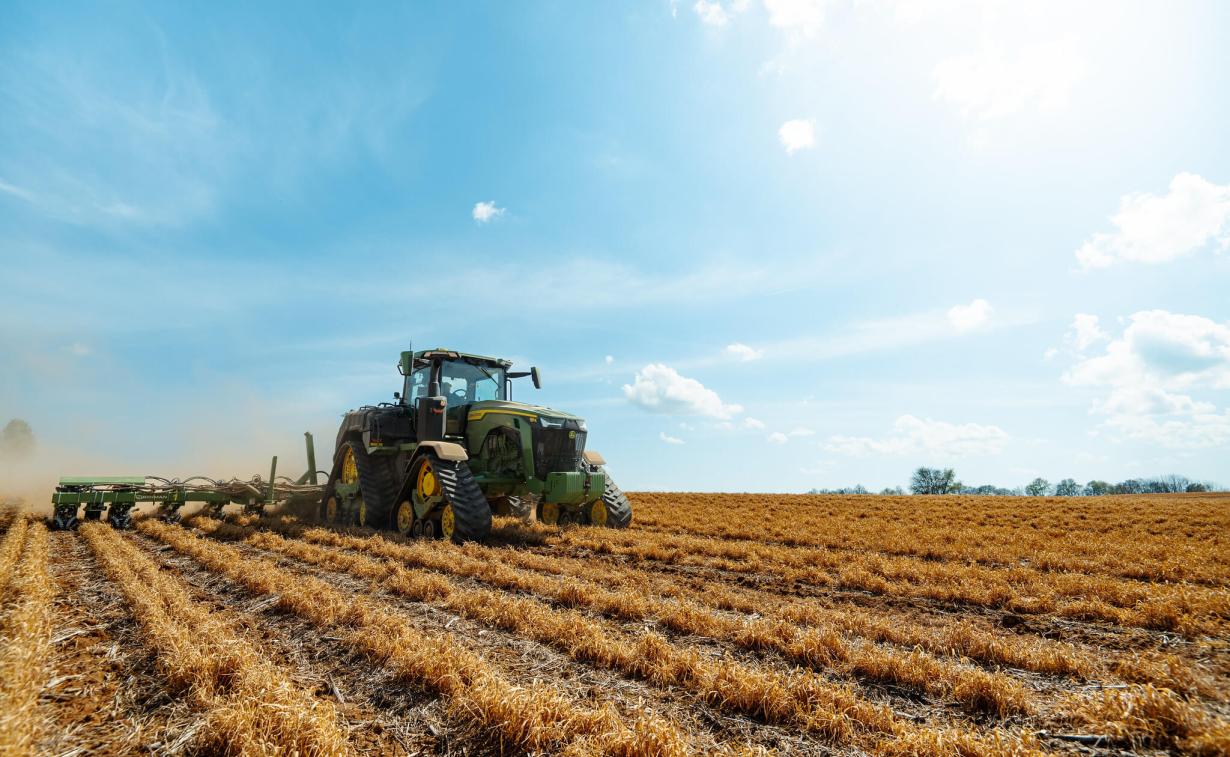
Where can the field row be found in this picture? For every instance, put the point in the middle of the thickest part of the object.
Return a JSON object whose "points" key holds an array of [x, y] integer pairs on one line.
{"points": [[601, 643], [1191, 610], [1141, 537], [833, 712], [558, 645]]}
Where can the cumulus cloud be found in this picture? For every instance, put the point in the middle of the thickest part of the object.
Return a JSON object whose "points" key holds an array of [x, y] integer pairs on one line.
{"points": [[608, 359], [777, 437], [797, 134], [750, 422], [994, 83], [970, 317], [923, 436], [659, 388], [1152, 229], [485, 212], [1151, 374], [803, 17], [668, 438], [742, 352]]}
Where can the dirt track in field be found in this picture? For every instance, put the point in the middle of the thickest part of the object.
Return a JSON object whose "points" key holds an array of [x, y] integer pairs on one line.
{"points": [[808, 625]]}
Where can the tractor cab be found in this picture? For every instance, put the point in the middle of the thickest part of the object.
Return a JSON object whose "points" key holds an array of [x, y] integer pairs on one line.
{"points": [[461, 378]]}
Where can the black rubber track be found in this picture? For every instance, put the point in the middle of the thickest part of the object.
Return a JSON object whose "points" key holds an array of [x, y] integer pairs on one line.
{"points": [[471, 513], [618, 508], [376, 484]]}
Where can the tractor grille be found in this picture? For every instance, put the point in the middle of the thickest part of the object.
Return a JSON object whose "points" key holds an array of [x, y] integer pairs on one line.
{"points": [[557, 448]]}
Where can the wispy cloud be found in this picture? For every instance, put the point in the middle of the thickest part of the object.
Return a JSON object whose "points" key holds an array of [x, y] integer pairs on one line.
{"points": [[911, 435]]}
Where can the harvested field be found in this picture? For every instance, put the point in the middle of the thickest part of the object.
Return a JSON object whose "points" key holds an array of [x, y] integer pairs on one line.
{"points": [[807, 625]]}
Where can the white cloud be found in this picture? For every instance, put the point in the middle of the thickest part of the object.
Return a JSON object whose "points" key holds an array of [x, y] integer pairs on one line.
{"points": [[750, 422], [714, 13], [919, 436], [77, 349], [801, 431], [1152, 229], [1151, 373], [485, 212], [608, 359], [1084, 332], [797, 134], [777, 437], [661, 389], [742, 352], [970, 317], [803, 17], [992, 83], [668, 438]]}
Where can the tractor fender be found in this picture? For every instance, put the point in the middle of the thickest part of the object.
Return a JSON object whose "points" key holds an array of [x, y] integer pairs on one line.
{"points": [[593, 458], [450, 451]]}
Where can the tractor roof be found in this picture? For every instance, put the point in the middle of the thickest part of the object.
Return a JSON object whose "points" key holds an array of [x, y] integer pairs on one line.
{"points": [[455, 355]]}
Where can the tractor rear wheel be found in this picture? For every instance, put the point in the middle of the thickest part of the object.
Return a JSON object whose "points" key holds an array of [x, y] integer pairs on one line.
{"points": [[459, 505], [613, 509]]}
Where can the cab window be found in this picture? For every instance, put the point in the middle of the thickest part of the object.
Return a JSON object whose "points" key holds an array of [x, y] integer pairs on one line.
{"points": [[463, 383]]}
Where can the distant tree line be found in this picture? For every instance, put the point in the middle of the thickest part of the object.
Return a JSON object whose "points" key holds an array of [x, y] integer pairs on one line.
{"points": [[944, 481]]}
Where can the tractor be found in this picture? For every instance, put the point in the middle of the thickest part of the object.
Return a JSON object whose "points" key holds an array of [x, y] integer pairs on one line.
{"points": [[454, 448]]}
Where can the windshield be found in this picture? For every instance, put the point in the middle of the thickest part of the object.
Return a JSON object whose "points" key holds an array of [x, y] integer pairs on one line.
{"points": [[463, 383]]}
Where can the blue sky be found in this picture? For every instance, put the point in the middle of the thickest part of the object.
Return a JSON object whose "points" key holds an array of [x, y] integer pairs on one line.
{"points": [[759, 246]]}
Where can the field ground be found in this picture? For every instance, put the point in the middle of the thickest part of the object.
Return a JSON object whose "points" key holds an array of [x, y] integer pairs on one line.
{"points": [[716, 623]]}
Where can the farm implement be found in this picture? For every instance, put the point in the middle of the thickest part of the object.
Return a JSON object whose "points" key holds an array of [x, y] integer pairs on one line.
{"points": [[92, 496]]}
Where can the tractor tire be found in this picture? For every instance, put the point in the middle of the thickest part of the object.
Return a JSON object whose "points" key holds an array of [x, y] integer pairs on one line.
{"points": [[618, 508], [466, 515], [65, 522]]}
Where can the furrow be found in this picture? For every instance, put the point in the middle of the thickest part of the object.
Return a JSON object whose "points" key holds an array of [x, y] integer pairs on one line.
{"points": [[977, 690], [835, 713], [532, 717], [251, 706]]}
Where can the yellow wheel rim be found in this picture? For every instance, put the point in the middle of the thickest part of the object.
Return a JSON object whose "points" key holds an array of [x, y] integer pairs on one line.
{"points": [[428, 485], [405, 517], [447, 525], [550, 513], [331, 509], [350, 471], [597, 513], [360, 515]]}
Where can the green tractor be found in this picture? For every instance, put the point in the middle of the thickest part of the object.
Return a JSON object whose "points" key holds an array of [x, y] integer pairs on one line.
{"points": [[454, 448]]}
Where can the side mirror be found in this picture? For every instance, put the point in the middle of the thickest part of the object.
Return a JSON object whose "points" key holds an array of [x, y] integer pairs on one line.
{"points": [[535, 377], [396, 395]]}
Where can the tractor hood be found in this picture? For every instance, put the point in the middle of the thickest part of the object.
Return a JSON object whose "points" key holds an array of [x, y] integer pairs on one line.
{"points": [[478, 410]]}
